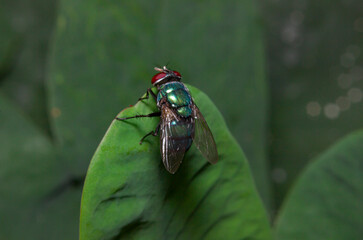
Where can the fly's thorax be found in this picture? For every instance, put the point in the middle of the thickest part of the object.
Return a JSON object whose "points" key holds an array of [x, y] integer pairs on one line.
{"points": [[184, 111], [177, 95]]}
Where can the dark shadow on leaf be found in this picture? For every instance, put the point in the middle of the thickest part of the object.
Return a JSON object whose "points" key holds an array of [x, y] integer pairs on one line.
{"points": [[127, 231]]}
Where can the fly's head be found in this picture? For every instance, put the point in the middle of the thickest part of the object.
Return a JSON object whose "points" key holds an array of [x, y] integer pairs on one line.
{"points": [[165, 75]]}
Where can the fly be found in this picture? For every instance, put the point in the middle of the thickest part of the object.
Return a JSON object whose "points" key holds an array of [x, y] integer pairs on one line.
{"points": [[181, 122]]}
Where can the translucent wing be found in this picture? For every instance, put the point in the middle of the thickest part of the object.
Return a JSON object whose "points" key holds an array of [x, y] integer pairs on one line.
{"points": [[175, 139], [203, 137]]}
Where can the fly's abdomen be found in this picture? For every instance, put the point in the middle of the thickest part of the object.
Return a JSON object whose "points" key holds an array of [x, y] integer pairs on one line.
{"points": [[181, 134], [177, 95]]}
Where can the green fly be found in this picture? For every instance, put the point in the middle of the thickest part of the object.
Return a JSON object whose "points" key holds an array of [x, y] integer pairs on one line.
{"points": [[181, 122]]}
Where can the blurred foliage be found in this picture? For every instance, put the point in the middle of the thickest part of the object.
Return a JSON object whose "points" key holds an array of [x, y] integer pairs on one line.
{"points": [[37, 195], [138, 199], [326, 202], [315, 56], [25, 30]]}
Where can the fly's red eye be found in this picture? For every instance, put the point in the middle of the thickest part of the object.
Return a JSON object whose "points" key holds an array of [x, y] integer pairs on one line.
{"points": [[157, 77], [177, 73]]}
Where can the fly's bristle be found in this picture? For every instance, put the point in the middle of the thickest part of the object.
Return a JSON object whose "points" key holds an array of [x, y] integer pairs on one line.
{"points": [[164, 69]]}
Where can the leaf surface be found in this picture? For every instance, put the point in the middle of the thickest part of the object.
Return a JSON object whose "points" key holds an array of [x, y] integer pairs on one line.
{"points": [[128, 194], [326, 202]]}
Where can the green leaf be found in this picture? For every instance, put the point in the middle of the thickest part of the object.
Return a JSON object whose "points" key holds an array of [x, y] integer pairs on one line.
{"points": [[105, 52], [326, 202], [128, 194]]}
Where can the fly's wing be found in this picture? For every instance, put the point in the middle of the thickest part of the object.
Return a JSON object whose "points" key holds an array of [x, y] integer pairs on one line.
{"points": [[203, 137], [172, 147]]}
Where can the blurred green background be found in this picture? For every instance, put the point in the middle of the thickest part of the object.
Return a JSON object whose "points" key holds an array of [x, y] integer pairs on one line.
{"points": [[286, 75]]}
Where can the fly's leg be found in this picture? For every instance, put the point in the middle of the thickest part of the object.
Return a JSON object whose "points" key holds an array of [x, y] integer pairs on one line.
{"points": [[154, 114], [148, 93], [153, 133]]}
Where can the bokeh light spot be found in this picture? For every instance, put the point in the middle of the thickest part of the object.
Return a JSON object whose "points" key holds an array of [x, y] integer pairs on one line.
{"points": [[355, 95], [344, 81], [343, 103], [313, 109], [331, 110]]}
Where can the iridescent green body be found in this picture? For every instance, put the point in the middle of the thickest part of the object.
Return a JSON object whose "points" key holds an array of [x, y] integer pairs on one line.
{"points": [[178, 96], [181, 133], [181, 122]]}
